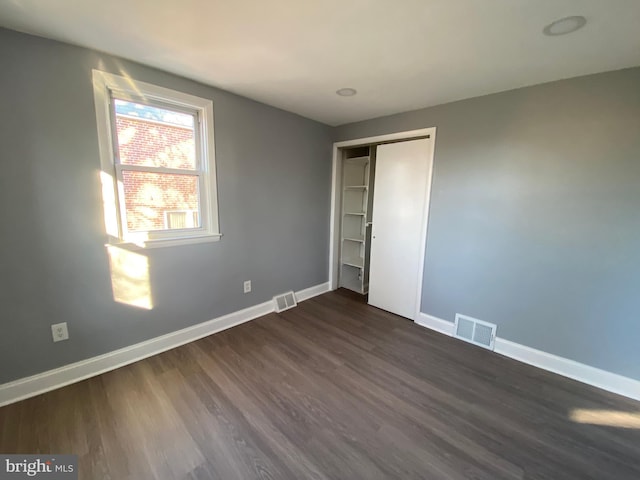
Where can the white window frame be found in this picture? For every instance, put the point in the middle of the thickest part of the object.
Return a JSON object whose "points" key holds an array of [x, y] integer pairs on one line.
{"points": [[105, 87]]}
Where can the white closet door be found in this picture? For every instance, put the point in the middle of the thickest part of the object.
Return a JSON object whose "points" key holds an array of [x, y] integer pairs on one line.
{"points": [[399, 216]]}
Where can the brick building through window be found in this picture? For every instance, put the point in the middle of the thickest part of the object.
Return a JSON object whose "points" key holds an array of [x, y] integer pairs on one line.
{"points": [[154, 137]]}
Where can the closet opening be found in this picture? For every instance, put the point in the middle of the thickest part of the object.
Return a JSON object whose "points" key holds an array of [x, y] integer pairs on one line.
{"points": [[378, 225], [357, 179]]}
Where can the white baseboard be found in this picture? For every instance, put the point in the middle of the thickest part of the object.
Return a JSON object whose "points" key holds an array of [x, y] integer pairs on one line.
{"points": [[43, 382], [435, 323], [596, 377], [311, 292]]}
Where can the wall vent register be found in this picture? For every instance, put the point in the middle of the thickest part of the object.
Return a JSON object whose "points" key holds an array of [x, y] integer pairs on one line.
{"points": [[475, 331], [285, 301]]}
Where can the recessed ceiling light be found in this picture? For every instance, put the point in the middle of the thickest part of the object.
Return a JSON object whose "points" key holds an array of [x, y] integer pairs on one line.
{"points": [[565, 25], [346, 92]]}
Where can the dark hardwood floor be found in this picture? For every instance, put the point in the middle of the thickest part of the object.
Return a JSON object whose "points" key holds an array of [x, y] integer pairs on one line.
{"points": [[333, 389]]}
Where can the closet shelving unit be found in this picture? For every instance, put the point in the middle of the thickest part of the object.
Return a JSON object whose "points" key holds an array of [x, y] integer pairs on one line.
{"points": [[357, 178]]}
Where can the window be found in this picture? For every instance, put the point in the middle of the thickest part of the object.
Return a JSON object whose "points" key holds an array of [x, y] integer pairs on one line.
{"points": [[158, 167]]}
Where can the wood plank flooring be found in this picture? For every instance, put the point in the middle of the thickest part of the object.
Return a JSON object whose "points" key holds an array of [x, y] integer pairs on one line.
{"points": [[333, 389]]}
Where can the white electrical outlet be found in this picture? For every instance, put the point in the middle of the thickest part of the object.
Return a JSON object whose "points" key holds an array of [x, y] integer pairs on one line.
{"points": [[247, 286], [60, 332]]}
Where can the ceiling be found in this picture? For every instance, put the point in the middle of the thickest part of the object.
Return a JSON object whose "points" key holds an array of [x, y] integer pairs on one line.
{"points": [[294, 54]]}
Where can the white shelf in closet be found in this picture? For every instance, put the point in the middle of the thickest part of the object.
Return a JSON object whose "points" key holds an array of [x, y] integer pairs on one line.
{"points": [[363, 159], [356, 181], [354, 239], [353, 262], [351, 278]]}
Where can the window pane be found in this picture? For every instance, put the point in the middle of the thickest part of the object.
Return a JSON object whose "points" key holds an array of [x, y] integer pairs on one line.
{"points": [[155, 137], [160, 201]]}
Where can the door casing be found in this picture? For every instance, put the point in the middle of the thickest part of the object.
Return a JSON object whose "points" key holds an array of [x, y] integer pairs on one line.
{"points": [[336, 198]]}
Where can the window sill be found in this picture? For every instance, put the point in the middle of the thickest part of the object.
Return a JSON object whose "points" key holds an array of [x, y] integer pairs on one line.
{"points": [[165, 242]]}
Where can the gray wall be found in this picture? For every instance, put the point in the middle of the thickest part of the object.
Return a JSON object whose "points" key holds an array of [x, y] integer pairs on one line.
{"points": [[535, 214], [534, 222], [274, 172]]}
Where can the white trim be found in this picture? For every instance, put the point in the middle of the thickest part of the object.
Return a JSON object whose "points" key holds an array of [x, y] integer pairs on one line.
{"points": [[336, 191], [311, 292], [147, 169], [334, 229], [114, 210], [387, 137], [425, 221], [43, 382], [435, 323], [593, 376], [596, 377], [144, 244]]}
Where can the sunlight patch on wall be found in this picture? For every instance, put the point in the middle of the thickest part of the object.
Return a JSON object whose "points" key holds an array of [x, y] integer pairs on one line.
{"points": [[130, 277], [110, 205], [608, 418], [130, 81]]}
